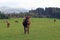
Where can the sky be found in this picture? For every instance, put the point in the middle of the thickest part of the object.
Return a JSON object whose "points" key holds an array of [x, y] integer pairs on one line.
{"points": [[29, 4]]}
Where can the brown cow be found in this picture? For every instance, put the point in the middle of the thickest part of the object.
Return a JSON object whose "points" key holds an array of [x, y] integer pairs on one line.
{"points": [[54, 20], [8, 24], [26, 24], [16, 21]]}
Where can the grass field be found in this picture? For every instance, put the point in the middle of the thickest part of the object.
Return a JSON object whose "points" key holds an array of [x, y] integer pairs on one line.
{"points": [[40, 29]]}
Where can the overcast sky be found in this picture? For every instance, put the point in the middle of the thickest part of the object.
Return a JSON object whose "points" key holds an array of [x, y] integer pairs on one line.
{"points": [[30, 4]]}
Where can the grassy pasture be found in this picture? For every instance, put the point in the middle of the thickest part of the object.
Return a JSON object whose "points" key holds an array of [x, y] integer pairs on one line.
{"points": [[40, 29]]}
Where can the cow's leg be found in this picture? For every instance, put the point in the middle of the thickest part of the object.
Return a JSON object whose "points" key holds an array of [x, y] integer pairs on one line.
{"points": [[8, 25], [28, 29], [25, 30]]}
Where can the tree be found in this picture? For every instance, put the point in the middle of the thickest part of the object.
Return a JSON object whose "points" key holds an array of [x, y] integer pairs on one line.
{"points": [[3, 16]]}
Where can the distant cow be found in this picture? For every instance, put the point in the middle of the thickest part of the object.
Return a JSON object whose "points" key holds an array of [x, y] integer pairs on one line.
{"points": [[16, 21], [26, 24], [8, 24], [54, 20]]}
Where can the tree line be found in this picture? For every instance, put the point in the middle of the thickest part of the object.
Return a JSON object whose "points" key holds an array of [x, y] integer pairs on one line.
{"points": [[3, 16], [50, 12]]}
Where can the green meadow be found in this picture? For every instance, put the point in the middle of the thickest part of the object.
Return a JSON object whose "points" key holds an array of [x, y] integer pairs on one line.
{"points": [[40, 29]]}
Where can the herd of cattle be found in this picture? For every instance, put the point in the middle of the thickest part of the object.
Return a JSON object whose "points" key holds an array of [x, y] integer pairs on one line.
{"points": [[26, 23]]}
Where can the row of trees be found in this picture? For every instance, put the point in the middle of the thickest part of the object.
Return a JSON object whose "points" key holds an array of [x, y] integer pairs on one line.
{"points": [[3, 16], [22, 14], [37, 13], [50, 12]]}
